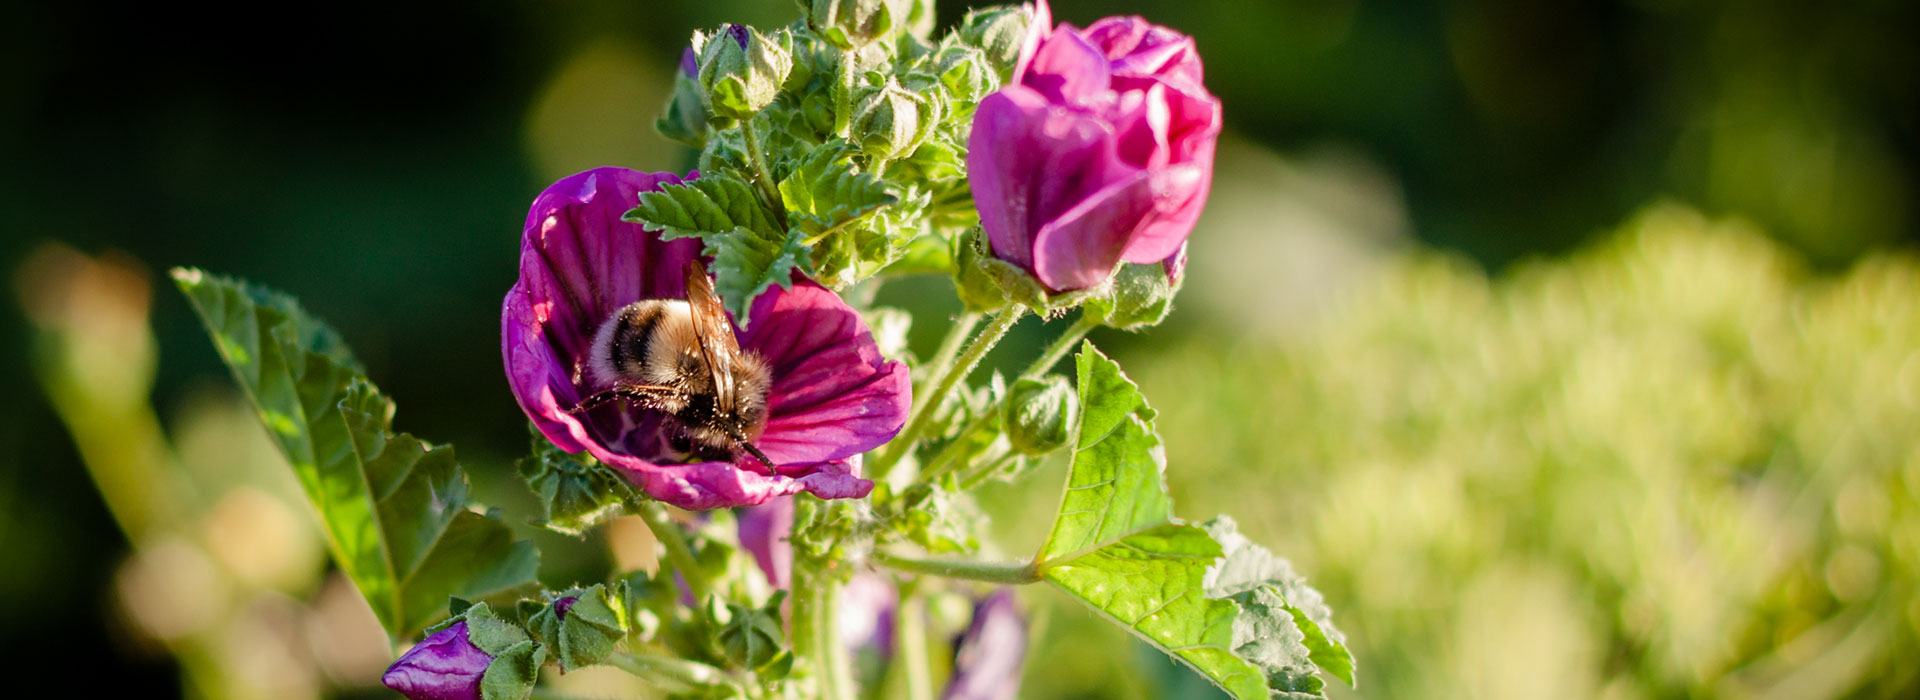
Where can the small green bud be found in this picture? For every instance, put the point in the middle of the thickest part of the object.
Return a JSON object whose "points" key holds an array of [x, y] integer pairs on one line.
{"points": [[890, 122], [998, 31], [581, 627], [855, 23], [1039, 414], [966, 72], [741, 70]]}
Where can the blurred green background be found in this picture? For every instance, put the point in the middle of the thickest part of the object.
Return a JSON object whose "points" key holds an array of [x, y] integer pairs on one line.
{"points": [[1572, 348]]}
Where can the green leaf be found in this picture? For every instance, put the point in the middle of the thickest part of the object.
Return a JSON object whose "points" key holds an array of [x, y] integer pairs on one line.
{"points": [[395, 509], [1250, 571], [825, 193], [746, 263], [715, 203], [1117, 547]]}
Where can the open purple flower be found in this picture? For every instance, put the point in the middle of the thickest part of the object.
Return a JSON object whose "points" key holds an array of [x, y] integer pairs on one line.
{"points": [[832, 398], [444, 666], [1099, 151]]}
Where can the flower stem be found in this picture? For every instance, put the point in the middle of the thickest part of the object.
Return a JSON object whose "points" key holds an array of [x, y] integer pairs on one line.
{"points": [[988, 572], [843, 96], [675, 542], [657, 668], [813, 625], [762, 175], [950, 346], [912, 638], [1062, 345], [968, 360]]}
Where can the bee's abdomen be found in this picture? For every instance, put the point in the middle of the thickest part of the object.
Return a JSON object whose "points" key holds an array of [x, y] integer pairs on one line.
{"points": [[633, 335]]}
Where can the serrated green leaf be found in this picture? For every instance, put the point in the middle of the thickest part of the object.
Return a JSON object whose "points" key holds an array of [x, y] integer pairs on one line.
{"points": [[746, 263], [1249, 570], [1116, 546], [824, 192], [1150, 583], [395, 510], [715, 203]]}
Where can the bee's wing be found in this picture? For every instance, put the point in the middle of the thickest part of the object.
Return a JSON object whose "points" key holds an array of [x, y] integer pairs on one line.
{"points": [[717, 344]]}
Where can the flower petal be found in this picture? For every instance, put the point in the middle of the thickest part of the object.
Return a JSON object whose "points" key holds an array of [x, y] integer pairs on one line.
{"points": [[1029, 162], [992, 651], [1069, 70], [764, 533], [444, 666], [833, 395], [1081, 248]]}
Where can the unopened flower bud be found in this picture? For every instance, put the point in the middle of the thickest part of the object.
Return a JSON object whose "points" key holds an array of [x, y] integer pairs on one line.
{"points": [[1039, 414], [854, 23], [477, 657], [750, 637], [581, 628], [999, 32], [741, 70], [890, 122]]}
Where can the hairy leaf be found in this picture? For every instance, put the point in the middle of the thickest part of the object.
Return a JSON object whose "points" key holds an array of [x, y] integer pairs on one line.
{"points": [[395, 509], [713, 204], [746, 263], [1249, 571], [824, 193]]}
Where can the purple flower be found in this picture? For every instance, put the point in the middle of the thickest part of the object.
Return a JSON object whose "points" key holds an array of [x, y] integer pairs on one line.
{"points": [[764, 532], [833, 396], [992, 652], [444, 666], [1100, 150]]}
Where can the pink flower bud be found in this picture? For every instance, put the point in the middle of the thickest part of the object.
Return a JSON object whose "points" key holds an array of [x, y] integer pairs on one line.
{"points": [[1100, 150]]}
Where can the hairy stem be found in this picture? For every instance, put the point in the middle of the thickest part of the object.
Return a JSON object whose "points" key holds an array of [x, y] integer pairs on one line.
{"points": [[1062, 345], [813, 620], [949, 349], [988, 572], [762, 175], [843, 96], [675, 542], [929, 402], [657, 668], [911, 637]]}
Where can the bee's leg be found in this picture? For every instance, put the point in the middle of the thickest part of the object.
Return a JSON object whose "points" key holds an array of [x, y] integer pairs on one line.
{"points": [[757, 454]]}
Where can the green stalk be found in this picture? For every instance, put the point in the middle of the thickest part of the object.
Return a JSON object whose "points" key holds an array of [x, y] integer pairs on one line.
{"points": [[1062, 345], [923, 413], [762, 175], [950, 345], [912, 640], [988, 572], [657, 668], [675, 542], [843, 96]]}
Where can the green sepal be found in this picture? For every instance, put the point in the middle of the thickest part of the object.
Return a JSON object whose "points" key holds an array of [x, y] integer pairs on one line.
{"points": [[988, 283], [588, 632], [750, 637], [1138, 297], [513, 672], [686, 117], [575, 492], [740, 81]]}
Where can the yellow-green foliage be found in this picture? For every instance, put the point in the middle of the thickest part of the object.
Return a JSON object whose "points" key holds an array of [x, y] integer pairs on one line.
{"points": [[1677, 465]]}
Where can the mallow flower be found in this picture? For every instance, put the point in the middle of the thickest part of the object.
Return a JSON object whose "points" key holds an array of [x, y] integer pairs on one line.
{"points": [[1098, 151], [832, 396]]}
